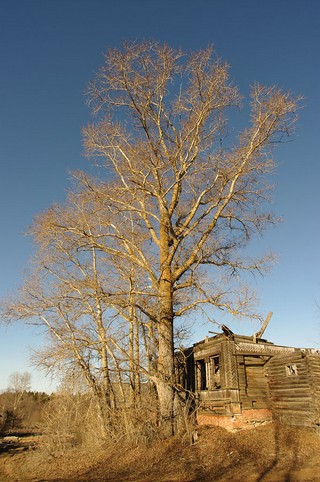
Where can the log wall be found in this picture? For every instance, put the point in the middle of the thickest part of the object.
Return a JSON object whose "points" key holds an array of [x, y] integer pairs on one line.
{"points": [[294, 384]]}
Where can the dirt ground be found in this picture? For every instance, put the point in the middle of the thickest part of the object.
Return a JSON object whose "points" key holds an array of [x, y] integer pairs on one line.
{"points": [[265, 453]]}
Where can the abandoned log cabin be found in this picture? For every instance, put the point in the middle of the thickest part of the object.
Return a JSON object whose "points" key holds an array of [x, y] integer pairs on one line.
{"points": [[243, 380]]}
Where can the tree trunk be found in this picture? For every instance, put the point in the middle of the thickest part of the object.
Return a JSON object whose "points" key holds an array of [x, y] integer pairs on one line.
{"points": [[137, 362], [165, 378], [134, 348], [165, 375]]}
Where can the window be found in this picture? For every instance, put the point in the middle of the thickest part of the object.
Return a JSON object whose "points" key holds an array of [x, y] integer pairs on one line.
{"points": [[201, 375], [291, 370], [208, 373], [214, 372]]}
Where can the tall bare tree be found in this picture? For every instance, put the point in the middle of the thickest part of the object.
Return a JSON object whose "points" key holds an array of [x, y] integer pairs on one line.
{"points": [[19, 384], [66, 296], [165, 233], [161, 130], [89, 301]]}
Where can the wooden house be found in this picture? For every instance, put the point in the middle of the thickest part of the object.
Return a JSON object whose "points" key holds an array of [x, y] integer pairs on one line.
{"points": [[242, 381]]}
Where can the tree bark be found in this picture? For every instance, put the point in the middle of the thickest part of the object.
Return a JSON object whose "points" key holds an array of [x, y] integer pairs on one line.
{"points": [[165, 376]]}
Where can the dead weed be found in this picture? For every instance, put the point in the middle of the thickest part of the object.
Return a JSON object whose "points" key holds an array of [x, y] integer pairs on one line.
{"points": [[268, 453]]}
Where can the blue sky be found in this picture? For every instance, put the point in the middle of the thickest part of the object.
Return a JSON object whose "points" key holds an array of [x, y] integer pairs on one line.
{"points": [[50, 49]]}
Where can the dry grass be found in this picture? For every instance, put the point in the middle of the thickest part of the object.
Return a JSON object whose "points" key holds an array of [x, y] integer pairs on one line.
{"points": [[266, 453]]}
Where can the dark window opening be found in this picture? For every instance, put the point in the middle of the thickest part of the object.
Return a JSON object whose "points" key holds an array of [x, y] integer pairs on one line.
{"points": [[208, 373], [201, 375], [215, 372]]}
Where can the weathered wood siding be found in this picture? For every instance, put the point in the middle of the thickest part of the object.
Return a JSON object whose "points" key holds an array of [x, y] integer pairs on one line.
{"points": [[254, 388], [292, 382], [236, 374], [314, 371]]}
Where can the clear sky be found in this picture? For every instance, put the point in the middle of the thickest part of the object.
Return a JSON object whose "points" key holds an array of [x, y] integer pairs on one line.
{"points": [[50, 49]]}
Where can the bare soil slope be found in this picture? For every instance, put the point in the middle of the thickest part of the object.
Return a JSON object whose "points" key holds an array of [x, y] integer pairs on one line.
{"points": [[266, 453]]}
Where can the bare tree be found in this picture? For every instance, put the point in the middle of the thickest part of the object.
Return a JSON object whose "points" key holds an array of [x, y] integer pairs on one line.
{"points": [[161, 129], [15, 400], [65, 295], [165, 235], [19, 382], [85, 299]]}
